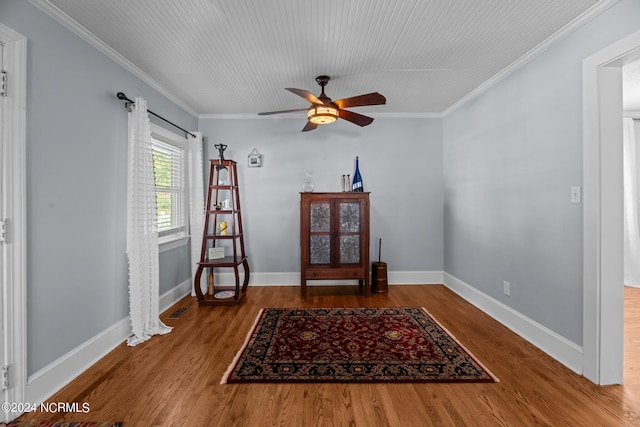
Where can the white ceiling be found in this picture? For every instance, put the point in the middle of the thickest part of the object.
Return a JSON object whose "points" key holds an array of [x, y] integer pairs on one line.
{"points": [[235, 57]]}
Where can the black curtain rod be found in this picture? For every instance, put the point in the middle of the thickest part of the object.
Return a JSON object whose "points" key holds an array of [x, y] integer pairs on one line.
{"points": [[123, 97]]}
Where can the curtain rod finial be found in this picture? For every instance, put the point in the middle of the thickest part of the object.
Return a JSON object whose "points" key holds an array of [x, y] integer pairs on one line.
{"points": [[122, 96]]}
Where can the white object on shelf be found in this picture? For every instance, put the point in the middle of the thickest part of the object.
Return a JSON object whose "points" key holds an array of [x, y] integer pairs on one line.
{"points": [[216, 253]]}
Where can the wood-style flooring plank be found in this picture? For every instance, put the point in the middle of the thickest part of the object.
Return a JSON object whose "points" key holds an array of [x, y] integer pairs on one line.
{"points": [[174, 379]]}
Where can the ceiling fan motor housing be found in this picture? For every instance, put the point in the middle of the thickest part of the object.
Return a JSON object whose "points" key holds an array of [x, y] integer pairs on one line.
{"points": [[322, 80]]}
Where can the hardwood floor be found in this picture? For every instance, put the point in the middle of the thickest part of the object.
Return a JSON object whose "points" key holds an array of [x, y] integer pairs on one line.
{"points": [[173, 380], [632, 341]]}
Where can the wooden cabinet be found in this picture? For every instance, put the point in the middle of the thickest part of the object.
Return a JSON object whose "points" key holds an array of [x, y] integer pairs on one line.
{"points": [[334, 238]]}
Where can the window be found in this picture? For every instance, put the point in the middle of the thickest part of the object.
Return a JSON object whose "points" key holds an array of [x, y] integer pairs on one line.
{"points": [[169, 165]]}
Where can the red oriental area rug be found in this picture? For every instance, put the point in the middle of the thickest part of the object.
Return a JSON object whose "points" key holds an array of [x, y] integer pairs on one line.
{"points": [[356, 345]]}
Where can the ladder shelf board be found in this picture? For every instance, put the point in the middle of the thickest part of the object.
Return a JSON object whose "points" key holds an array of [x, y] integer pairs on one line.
{"points": [[212, 300], [226, 237], [228, 261], [222, 187]]}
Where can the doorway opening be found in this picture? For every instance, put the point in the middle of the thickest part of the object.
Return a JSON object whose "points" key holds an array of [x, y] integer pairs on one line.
{"points": [[603, 272], [631, 147]]}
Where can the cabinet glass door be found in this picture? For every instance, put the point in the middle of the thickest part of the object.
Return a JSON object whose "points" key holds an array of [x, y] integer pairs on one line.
{"points": [[349, 218], [320, 228]]}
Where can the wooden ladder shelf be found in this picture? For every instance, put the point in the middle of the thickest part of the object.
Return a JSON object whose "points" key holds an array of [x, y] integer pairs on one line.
{"points": [[223, 209]]}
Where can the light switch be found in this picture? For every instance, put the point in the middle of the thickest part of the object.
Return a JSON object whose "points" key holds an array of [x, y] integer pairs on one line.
{"points": [[575, 194]]}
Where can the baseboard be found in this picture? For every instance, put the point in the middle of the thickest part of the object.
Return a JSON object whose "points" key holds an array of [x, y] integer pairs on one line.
{"points": [[415, 277], [564, 351], [293, 278], [48, 380], [174, 295]]}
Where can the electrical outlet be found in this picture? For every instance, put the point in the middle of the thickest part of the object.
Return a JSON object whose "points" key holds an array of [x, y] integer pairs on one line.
{"points": [[506, 288]]}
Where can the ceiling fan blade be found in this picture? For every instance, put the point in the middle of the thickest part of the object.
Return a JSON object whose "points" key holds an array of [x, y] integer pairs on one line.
{"points": [[306, 95], [356, 118], [373, 98], [309, 126], [282, 111]]}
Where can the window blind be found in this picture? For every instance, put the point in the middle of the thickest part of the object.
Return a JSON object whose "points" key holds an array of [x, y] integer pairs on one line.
{"points": [[169, 172]]}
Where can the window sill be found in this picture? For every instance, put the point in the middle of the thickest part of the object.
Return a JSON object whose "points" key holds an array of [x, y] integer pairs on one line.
{"points": [[172, 242]]}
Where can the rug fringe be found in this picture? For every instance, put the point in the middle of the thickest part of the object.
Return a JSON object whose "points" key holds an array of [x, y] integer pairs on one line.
{"points": [[453, 337], [227, 373]]}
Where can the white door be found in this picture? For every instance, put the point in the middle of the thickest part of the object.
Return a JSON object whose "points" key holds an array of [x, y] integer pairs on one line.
{"points": [[3, 325], [13, 372], [3, 252]]}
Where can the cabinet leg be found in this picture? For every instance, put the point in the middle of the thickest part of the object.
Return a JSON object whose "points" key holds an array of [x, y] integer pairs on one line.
{"points": [[363, 284]]}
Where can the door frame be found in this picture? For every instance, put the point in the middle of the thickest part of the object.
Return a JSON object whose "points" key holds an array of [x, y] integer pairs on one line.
{"points": [[13, 146], [602, 263]]}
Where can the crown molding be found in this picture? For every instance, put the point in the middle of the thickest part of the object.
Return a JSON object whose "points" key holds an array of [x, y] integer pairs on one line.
{"points": [[578, 22], [407, 115], [104, 48], [245, 116]]}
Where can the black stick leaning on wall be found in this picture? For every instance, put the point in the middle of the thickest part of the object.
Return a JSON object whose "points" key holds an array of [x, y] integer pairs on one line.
{"points": [[123, 97]]}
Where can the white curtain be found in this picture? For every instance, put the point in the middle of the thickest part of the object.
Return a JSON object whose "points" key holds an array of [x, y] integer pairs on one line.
{"points": [[631, 187], [142, 231], [196, 200]]}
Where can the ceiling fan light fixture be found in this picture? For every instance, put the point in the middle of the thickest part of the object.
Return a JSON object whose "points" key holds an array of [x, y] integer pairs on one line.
{"points": [[322, 114]]}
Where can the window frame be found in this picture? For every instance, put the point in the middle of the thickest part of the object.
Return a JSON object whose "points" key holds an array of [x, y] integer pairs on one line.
{"points": [[180, 238]]}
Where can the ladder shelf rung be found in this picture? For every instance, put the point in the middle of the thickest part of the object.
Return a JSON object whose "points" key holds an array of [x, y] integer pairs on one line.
{"points": [[228, 261], [222, 187], [217, 236]]}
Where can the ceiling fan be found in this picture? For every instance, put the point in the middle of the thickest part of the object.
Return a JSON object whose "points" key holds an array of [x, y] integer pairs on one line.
{"points": [[324, 111]]}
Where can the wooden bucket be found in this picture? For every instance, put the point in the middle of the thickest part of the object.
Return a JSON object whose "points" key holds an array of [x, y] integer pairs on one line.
{"points": [[379, 277]]}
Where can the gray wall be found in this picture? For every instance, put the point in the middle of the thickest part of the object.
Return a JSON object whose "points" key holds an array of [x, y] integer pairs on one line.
{"points": [[510, 158], [77, 278], [401, 165]]}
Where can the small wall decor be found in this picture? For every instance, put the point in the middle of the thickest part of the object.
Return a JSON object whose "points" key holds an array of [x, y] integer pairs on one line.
{"points": [[254, 159]]}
